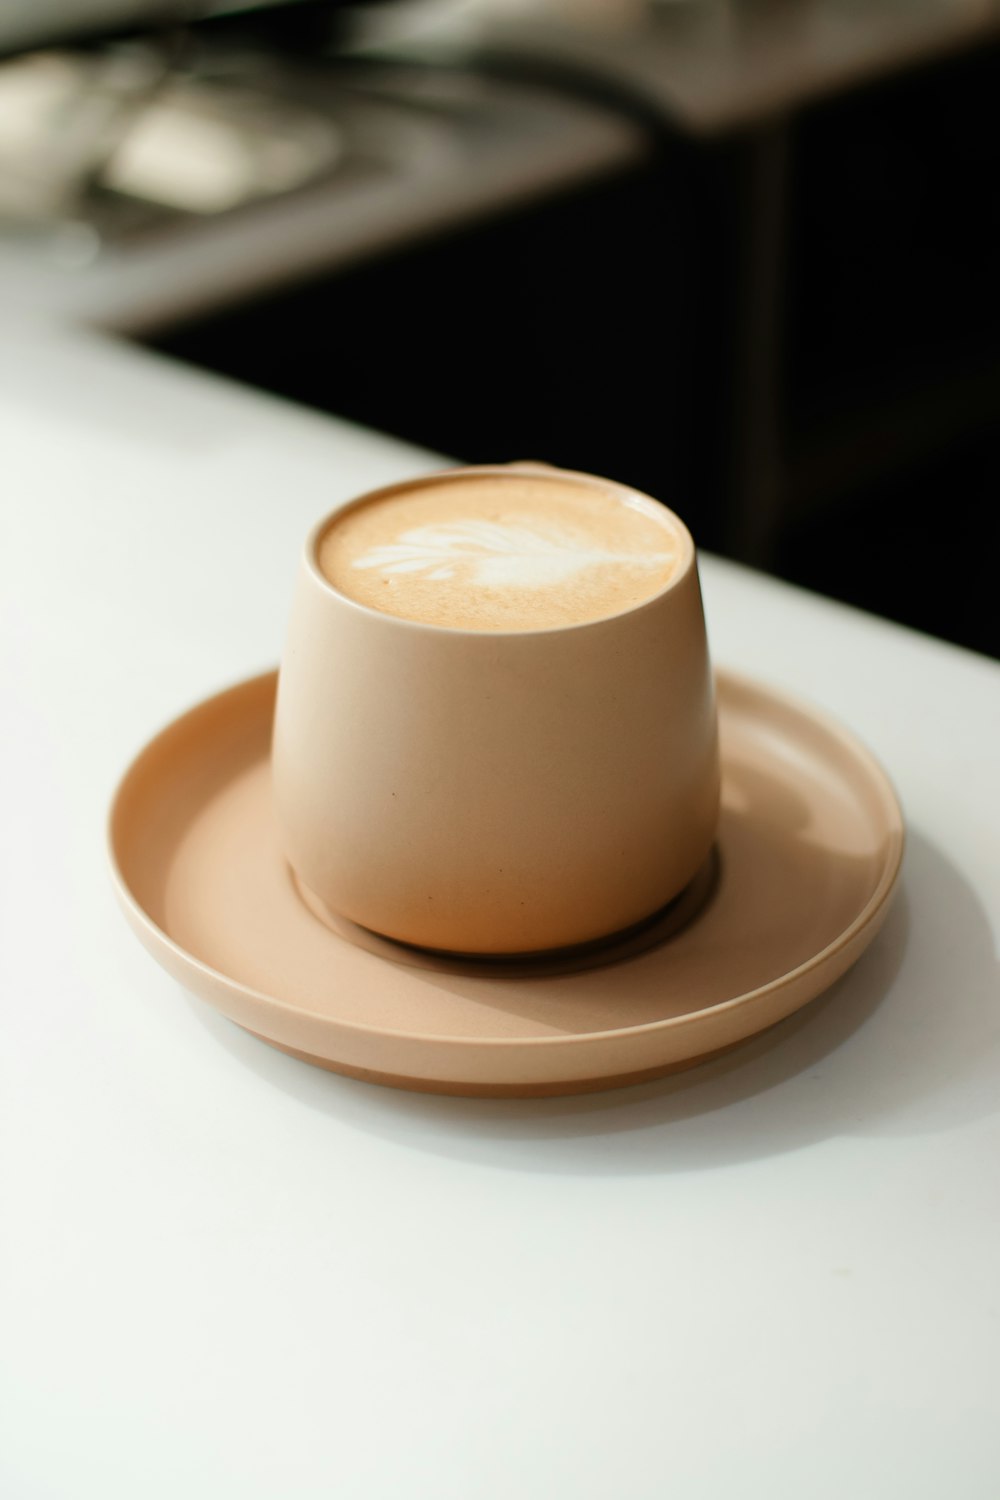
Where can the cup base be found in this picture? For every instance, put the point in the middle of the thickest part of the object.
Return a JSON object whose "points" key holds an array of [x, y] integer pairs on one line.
{"points": [[649, 932]]}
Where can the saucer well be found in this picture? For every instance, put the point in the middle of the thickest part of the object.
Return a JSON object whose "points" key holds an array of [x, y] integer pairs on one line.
{"points": [[808, 854]]}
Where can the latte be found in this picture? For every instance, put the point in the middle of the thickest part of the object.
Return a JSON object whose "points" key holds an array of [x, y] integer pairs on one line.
{"points": [[502, 551]]}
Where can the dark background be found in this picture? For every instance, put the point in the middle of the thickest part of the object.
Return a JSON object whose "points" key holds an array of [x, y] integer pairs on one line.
{"points": [[792, 337]]}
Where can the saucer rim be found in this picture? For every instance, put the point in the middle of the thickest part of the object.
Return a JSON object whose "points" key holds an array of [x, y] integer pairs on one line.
{"points": [[871, 915]]}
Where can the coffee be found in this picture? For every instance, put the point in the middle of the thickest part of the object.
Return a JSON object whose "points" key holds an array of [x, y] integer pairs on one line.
{"points": [[502, 551]]}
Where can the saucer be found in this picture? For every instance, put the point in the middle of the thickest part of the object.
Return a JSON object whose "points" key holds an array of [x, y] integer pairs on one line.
{"points": [[808, 853]]}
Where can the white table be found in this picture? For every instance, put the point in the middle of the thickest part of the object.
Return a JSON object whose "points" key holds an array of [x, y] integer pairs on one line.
{"points": [[224, 1273]]}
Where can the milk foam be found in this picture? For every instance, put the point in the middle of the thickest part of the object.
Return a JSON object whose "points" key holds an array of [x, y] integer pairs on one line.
{"points": [[496, 555], [510, 552]]}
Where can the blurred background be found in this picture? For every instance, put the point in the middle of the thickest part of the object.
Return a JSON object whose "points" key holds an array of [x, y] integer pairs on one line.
{"points": [[743, 255]]}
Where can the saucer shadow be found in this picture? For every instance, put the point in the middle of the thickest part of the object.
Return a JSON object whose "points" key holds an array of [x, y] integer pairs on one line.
{"points": [[903, 1045]]}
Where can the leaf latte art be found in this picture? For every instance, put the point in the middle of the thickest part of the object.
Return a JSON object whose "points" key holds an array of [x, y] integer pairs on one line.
{"points": [[495, 555], [502, 550]]}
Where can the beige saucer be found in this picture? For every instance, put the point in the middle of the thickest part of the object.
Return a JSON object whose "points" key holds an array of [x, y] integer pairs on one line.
{"points": [[808, 853]]}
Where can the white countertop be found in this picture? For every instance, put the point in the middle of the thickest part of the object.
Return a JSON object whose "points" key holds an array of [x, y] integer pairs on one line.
{"points": [[224, 1273]]}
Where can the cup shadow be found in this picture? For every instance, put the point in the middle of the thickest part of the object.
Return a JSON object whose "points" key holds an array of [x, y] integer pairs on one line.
{"points": [[904, 1044]]}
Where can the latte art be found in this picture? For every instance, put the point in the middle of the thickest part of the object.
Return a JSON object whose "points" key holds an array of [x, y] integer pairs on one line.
{"points": [[501, 551], [492, 554]]}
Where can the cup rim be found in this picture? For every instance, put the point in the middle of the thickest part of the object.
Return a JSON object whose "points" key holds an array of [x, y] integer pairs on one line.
{"points": [[638, 498]]}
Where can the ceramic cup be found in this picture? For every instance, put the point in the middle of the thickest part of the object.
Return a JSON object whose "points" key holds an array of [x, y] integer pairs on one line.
{"points": [[496, 792]]}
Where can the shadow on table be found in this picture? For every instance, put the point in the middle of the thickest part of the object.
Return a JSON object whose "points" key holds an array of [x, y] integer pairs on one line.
{"points": [[904, 1044]]}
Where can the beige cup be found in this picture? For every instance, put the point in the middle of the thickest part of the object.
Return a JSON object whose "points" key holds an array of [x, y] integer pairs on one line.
{"points": [[495, 792]]}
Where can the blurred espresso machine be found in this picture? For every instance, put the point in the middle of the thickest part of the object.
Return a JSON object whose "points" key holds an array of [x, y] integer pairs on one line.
{"points": [[739, 253]]}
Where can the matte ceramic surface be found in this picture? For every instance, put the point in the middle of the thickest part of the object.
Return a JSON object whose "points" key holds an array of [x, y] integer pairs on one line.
{"points": [[808, 853], [497, 792]]}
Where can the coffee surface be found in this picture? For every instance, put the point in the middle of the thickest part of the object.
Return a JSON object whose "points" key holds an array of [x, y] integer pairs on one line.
{"points": [[501, 552]]}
